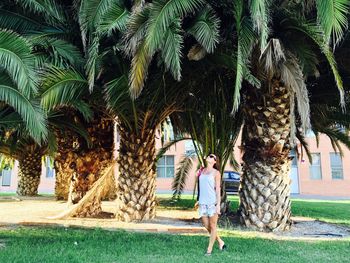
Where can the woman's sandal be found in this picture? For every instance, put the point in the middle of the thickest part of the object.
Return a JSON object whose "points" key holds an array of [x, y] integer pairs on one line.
{"points": [[224, 247], [207, 254]]}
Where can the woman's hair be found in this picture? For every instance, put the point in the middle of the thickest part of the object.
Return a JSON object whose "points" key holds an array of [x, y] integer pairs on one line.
{"points": [[217, 162]]}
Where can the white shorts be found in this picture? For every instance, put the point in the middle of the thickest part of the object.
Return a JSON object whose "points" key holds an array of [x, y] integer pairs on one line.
{"points": [[207, 210]]}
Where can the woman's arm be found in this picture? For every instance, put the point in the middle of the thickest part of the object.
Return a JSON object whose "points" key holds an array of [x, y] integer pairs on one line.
{"points": [[218, 191]]}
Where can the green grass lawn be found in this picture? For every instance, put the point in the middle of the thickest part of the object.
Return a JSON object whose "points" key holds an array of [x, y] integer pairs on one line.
{"points": [[7, 194], [14, 194], [27, 244], [328, 211], [77, 245]]}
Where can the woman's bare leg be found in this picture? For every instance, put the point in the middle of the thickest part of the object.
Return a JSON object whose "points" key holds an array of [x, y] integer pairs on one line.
{"points": [[213, 220], [206, 223]]}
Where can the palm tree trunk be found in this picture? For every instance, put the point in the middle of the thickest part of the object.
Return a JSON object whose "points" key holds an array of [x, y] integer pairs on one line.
{"points": [[78, 166], [265, 186], [137, 176], [64, 157], [29, 174]]}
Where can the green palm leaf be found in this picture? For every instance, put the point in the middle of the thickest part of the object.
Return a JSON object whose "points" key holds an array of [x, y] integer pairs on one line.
{"points": [[182, 173], [52, 12], [17, 22], [139, 69], [17, 59], [162, 13], [136, 29], [90, 15], [62, 52], [332, 15], [114, 19], [245, 40], [206, 29], [315, 33], [259, 10], [30, 112], [61, 87], [171, 50]]}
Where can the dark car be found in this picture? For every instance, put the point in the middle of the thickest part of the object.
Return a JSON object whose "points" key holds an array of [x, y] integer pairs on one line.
{"points": [[231, 180]]}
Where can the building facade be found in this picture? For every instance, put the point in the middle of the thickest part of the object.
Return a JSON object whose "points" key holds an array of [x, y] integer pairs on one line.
{"points": [[327, 175]]}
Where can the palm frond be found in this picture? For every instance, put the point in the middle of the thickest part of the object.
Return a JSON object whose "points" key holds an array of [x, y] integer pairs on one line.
{"points": [[114, 19], [181, 175], [168, 145], [62, 52], [206, 29], [30, 111], [83, 108], [139, 69], [162, 13], [314, 32], [17, 59], [332, 15], [293, 78], [52, 12], [171, 50], [245, 40], [90, 15], [18, 22], [63, 124], [136, 30], [304, 146], [259, 10], [93, 54], [60, 87]]}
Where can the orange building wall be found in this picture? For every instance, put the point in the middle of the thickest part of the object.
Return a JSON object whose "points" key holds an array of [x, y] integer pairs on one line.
{"points": [[324, 187]]}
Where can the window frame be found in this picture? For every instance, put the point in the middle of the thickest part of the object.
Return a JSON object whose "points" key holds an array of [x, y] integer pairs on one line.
{"points": [[341, 166], [3, 176], [165, 166], [319, 165]]}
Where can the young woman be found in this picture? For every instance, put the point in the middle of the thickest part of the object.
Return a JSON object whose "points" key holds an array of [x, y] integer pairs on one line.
{"points": [[209, 200]]}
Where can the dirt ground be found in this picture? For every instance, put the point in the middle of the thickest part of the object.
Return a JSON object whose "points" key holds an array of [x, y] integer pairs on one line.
{"points": [[35, 212]]}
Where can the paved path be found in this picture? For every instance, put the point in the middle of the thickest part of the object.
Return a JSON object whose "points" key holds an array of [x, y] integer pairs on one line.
{"points": [[34, 211]]}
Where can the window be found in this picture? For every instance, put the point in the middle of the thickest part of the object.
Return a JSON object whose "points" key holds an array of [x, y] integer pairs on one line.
{"points": [[336, 166], [165, 167], [315, 167], [189, 147], [6, 177], [50, 171], [295, 158]]}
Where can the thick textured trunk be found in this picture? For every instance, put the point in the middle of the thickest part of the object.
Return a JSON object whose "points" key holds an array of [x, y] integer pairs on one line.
{"points": [[78, 167], [265, 185], [29, 174], [137, 176], [90, 204], [62, 164]]}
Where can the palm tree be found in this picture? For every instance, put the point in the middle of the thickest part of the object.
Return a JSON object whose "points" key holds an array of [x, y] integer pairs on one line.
{"points": [[277, 45], [137, 123], [51, 47], [281, 65], [22, 116], [18, 82], [64, 86], [207, 120], [139, 119]]}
